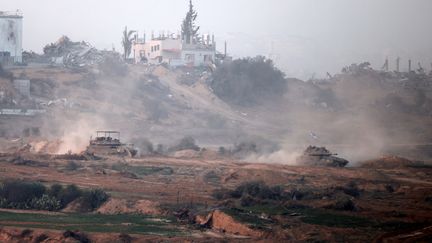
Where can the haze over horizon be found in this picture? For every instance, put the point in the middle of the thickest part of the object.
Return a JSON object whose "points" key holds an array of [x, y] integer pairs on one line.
{"points": [[332, 33]]}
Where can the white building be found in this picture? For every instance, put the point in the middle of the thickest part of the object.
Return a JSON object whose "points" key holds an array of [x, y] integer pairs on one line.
{"points": [[197, 54], [174, 51], [160, 50], [11, 37]]}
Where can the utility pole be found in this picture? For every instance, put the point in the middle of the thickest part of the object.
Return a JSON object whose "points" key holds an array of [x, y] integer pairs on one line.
{"points": [[386, 65], [397, 64], [225, 50], [409, 65]]}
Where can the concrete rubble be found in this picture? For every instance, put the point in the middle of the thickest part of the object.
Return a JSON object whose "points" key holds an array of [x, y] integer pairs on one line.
{"points": [[76, 54]]}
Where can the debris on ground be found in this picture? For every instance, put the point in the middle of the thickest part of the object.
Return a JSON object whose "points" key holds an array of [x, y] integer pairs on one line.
{"points": [[76, 54], [320, 156]]}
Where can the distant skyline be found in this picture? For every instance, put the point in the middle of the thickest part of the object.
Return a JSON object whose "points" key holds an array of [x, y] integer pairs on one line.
{"points": [[304, 37]]}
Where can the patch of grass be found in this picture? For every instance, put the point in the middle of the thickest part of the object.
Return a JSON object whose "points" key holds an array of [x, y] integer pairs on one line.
{"points": [[148, 170], [267, 209], [143, 170], [399, 225], [311, 216], [253, 220], [130, 224], [421, 166], [332, 219]]}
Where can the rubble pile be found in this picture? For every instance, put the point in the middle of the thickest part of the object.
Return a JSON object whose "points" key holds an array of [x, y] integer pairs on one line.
{"points": [[320, 156], [33, 57], [77, 54]]}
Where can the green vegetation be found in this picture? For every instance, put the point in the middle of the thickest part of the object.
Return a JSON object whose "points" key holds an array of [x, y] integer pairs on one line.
{"points": [[188, 27], [142, 170], [127, 42], [184, 144], [72, 166], [421, 166], [316, 216], [130, 224], [248, 81], [253, 192], [34, 195], [333, 219], [252, 220], [93, 199], [250, 215]]}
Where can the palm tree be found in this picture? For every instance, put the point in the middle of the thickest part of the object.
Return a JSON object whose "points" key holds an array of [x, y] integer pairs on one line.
{"points": [[127, 42]]}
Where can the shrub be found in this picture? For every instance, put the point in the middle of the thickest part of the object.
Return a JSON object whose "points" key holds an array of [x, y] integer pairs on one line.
{"points": [[389, 188], [93, 199], [71, 166], [80, 237], [26, 195], [70, 193], [45, 203], [221, 150], [245, 147], [40, 238], [351, 189], [220, 194], [248, 81], [345, 204], [145, 146], [185, 143], [26, 232], [20, 193], [55, 190], [253, 189], [125, 238], [247, 201], [160, 149]]}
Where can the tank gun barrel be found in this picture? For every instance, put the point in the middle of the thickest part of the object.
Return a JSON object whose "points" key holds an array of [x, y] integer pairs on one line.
{"points": [[322, 154]]}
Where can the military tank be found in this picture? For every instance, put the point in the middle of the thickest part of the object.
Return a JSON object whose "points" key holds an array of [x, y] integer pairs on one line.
{"points": [[108, 143], [320, 156]]}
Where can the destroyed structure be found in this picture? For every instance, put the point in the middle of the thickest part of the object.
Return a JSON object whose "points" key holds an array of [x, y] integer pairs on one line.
{"points": [[320, 156], [174, 51], [185, 49], [108, 143], [76, 54], [10, 37]]}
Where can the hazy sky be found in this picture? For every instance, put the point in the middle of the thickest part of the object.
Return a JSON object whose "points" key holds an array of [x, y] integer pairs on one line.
{"points": [[303, 36]]}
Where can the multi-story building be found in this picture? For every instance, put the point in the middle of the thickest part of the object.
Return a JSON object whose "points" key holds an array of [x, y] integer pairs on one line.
{"points": [[174, 51], [11, 37]]}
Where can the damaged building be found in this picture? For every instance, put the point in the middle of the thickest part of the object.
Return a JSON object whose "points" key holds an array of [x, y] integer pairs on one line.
{"points": [[187, 48], [11, 37], [174, 50]]}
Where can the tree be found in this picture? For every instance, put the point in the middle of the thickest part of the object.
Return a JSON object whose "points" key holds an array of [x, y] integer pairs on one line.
{"points": [[127, 42], [248, 81], [189, 29]]}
